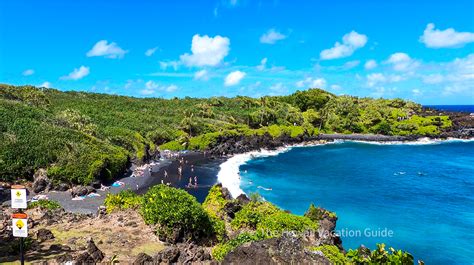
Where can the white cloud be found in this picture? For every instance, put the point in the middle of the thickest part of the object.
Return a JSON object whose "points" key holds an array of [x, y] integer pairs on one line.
{"points": [[278, 89], [201, 75], [77, 73], [402, 62], [206, 51], [350, 42], [448, 38], [152, 87], [234, 78], [45, 84], [28, 72], [171, 88], [262, 65], [312, 83], [151, 51], [336, 87], [417, 92], [102, 48], [169, 64], [379, 78], [370, 64], [433, 79], [271, 37]]}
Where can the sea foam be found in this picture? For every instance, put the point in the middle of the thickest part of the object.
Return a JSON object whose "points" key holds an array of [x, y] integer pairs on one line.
{"points": [[229, 173]]}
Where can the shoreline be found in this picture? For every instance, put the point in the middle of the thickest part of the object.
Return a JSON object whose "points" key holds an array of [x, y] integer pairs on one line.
{"points": [[213, 169], [231, 166]]}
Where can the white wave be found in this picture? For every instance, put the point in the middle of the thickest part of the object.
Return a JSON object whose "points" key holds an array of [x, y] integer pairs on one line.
{"points": [[421, 141], [229, 173]]}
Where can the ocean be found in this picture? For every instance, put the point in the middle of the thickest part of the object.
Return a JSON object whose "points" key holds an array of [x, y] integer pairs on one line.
{"points": [[418, 197], [457, 108]]}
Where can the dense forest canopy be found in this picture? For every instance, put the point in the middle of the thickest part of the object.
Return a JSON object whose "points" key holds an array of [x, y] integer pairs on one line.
{"points": [[79, 137]]}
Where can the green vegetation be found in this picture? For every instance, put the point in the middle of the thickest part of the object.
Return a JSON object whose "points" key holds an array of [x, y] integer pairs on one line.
{"points": [[80, 137], [175, 212], [221, 250], [317, 213], [44, 205], [379, 256], [125, 199], [332, 253]]}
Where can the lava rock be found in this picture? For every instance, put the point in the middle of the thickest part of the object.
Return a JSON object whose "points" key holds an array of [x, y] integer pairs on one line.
{"points": [[44, 234], [79, 191], [94, 252], [62, 187], [64, 258], [167, 255], [284, 250], [41, 181], [143, 259]]}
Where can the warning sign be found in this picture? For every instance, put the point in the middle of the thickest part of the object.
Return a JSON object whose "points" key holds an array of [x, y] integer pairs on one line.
{"points": [[20, 225], [18, 197]]}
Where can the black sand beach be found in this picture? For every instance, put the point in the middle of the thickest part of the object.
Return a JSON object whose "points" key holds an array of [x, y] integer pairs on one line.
{"points": [[205, 168]]}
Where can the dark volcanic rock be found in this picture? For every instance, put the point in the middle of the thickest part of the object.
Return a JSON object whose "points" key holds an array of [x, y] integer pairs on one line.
{"points": [[183, 254], [64, 258], [84, 258], [96, 254], [284, 250], [167, 255], [41, 181], [243, 199], [143, 259], [44, 234], [62, 187], [79, 191]]}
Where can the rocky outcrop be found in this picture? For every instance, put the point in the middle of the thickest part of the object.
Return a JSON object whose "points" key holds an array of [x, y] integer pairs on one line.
{"points": [[81, 190], [183, 254], [44, 234], [143, 259], [287, 249], [41, 181], [92, 255]]}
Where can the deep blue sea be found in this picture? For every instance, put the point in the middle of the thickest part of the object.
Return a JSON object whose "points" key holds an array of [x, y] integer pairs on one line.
{"points": [[423, 194], [458, 108]]}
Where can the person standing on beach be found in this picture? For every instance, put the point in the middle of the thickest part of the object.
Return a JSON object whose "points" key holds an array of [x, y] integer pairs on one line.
{"points": [[190, 184], [195, 181], [192, 168], [180, 170], [166, 173]]}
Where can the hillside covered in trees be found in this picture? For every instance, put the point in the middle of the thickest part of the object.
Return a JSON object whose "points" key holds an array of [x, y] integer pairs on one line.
{"points": [[79, 137]]}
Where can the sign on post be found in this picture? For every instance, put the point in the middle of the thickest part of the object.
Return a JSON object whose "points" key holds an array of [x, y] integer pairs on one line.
{"points": [[18, 197], [20, 225]]}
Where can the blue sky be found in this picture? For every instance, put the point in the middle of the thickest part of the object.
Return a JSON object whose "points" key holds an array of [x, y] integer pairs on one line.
{"points": [[418, 50]]}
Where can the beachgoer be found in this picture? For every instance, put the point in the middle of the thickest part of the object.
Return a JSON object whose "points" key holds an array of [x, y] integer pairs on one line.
{"points": [[192, 168], [166, 174], [180, 170], [162, 182], [137, 186], [195, 181], [190, 182]]}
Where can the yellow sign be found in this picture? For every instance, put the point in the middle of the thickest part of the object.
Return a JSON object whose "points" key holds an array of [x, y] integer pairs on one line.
{"points": [[19, 224], [20, 227]]}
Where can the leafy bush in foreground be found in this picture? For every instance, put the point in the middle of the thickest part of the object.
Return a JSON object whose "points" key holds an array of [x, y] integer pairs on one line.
{"points": [[125, 199], [44, 205], [380, 256], [176, 212]]}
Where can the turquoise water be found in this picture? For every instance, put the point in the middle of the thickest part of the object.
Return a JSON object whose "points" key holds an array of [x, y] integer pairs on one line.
{"points": [[423, 194]]}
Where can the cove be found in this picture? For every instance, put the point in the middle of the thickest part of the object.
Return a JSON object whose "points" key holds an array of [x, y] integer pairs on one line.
{"points": [[416, 197]]}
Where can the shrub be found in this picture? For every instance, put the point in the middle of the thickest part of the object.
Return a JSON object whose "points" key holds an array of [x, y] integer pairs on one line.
{"points": [[380, 256], [277, 223], [332, 253], [317, 213], [214, 202], [44, 205], [125, 199], [173, 146], [252, 214], [176, 212], [221, 250]]}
